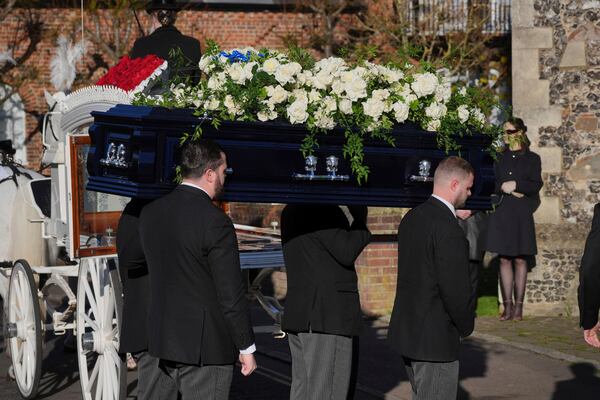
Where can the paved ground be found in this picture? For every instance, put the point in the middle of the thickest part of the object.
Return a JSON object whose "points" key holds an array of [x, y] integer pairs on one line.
{"points": [[491, 366]]}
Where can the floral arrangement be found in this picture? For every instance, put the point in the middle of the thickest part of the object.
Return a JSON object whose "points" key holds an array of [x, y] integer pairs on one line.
{"points": [[134, 74], [363, 99]]}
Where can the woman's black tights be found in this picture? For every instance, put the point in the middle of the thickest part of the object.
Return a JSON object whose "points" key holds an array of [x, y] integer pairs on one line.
{"points": [[513, 279]]}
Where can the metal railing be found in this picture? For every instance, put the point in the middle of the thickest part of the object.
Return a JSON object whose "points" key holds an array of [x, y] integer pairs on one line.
{"points": [[444, 16]]}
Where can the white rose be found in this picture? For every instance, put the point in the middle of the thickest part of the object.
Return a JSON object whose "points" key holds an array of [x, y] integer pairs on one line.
{"points": [[215, 82], [231, 106], [205, 65], [329, 104], [277, 94], [297, 112], [300, 95], [338, 87], [286, 73], [270, 65], [391, 75], [197, 103], [435, 110], [380, 94], [236, 73], [463, 113], [322, 80], [266, 115], [373, 108], [434, 125], [400, 111], [178, 92], [324, 120], [211, 104], [345, 106], [304, 78], [462, 91], [314, 96], [478, 115], [424, 84], [443, 93], [356, 89]]}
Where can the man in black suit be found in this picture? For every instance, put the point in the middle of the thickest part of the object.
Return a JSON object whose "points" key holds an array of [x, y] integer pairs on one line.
{"points": [[435, 296], [134, 277], [198, 317], [167, 38], [589, 284], [322, 307]]}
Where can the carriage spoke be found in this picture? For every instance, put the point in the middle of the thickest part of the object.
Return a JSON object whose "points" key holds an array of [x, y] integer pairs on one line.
{"points": [[18, 292], [92, 377], [90, 297], [110, 310], [20, 352], [27, 365], [92, 324], [112, 372], [100, 381], [107, 379], [26, 297]]}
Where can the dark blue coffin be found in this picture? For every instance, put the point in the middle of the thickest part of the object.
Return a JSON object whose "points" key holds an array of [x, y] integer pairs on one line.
{"points": [[134, 152]]}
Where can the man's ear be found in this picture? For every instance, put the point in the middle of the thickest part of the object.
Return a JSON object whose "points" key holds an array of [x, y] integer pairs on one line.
{"points": [[209, 175], [454, 184]]}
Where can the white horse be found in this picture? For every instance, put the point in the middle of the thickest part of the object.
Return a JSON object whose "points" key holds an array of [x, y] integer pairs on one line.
{"points": [[20, 236]]}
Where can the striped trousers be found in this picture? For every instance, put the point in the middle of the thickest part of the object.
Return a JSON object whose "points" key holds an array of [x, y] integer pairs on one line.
{"points": [[321, 366], [196, 382], [432, 380]]}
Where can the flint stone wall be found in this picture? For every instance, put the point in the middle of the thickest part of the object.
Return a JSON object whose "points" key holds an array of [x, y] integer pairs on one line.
{"points": [[556, 82]]}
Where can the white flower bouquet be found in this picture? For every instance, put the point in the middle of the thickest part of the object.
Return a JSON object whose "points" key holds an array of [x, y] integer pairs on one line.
{"points": [[362, 99]]}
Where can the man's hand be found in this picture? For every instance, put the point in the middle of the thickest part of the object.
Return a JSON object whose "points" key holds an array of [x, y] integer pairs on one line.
{"points": [[248, 363], [591, 336], [463, 214], [508, 187], [359, 213]]}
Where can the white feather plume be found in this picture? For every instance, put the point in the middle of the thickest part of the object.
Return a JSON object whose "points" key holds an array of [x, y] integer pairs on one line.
{"points": [[5, 57], [64, 63]]}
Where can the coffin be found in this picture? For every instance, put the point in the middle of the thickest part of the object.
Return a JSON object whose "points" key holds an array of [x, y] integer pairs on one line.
{"points": [[135, 150]]}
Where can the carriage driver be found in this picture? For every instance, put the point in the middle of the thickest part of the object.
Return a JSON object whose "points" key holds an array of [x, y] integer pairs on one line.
{"points": [[166, 37]]}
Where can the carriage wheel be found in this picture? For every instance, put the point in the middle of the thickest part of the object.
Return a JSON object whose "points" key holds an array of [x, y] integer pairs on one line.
{"points": [[101, 371], [24, 329]]}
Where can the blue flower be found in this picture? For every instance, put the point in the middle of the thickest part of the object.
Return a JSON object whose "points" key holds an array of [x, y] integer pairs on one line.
{"points": [[237, 56]]}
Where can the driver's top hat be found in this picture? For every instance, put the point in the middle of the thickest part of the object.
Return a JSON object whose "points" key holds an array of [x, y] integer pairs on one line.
{"points": [[6, 147], [163, 5]]}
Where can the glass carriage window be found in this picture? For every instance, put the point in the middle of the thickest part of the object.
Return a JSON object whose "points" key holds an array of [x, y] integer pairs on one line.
{"points": [[96, 215]]}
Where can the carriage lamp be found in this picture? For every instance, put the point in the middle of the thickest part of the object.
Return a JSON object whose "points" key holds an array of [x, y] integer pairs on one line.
{"points": [[424, 168]]}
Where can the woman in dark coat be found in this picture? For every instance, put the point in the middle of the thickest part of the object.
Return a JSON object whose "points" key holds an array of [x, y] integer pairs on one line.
{"points": [[511, 231]]}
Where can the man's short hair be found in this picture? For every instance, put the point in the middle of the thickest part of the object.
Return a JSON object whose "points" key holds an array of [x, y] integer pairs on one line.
{"points": [[199, 156], [453, 166]]}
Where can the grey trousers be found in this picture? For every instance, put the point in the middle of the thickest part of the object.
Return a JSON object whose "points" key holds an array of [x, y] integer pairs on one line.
{"points": [[432, 380], [321, 366], [152, 383], [197, 382]]}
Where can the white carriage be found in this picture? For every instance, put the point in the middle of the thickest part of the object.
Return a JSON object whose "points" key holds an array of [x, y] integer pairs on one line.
{"points": [[80, 224]]}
